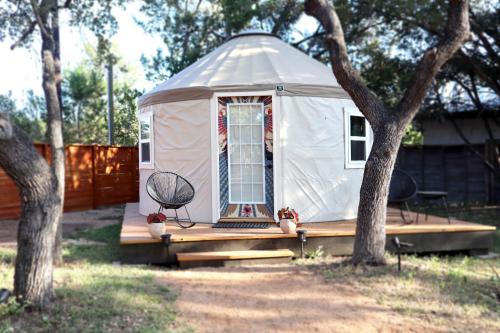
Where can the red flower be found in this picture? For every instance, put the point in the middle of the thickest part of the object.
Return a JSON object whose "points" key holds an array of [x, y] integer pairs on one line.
{"points": [[156, 218], [287, 213]]}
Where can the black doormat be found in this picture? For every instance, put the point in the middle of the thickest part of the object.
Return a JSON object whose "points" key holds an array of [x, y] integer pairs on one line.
{"points": [[242, 225]]}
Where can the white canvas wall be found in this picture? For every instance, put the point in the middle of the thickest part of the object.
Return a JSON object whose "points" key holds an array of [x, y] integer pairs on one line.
{"points": [[182, 145], [315, 181]]}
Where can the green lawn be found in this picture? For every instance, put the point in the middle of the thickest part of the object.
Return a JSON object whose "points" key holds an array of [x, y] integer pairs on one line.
{"points": [[94, 294]]}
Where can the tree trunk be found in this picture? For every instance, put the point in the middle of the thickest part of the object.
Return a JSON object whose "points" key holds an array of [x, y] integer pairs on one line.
{"points": [[389, 124], [39, 212], [369, 246], [55, 135]]}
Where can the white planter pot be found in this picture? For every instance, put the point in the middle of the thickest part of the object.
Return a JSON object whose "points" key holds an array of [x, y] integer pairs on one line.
{"points": [[288, 226], [156, 229]]}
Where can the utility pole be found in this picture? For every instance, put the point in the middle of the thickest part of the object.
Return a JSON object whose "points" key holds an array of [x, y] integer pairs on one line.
{"points": [[109, 68]]}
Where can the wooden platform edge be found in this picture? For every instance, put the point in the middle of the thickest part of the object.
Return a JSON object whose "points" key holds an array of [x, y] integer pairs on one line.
{"points": [[128, 240]]}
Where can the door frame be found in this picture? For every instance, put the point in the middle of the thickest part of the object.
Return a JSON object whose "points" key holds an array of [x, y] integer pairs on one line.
{"points": [[277, 158]]}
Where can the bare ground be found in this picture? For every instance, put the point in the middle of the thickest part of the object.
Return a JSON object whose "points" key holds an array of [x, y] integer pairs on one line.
{"points": [[72, 221], [279, 298]]}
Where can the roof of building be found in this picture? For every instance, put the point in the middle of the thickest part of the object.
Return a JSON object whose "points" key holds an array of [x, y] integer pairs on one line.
{"points": [[249, 61]]}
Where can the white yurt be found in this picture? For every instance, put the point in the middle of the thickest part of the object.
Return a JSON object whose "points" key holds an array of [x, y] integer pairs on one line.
{"points": [[254, 126]]}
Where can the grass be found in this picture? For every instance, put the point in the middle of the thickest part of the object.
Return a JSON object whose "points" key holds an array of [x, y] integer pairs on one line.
{"points": [[489, 215], [460, 293], [94, 293]]}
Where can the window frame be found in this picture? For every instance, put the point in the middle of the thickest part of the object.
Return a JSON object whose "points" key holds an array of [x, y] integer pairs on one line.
{"points": [[350, 164], [230, 200], [146, 116]]}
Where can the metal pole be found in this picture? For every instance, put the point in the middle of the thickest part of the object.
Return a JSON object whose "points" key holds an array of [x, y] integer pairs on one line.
{"points": [[109, 67]]}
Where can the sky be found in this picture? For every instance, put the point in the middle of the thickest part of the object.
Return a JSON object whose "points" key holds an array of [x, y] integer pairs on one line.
{"points": [[21, 68]]}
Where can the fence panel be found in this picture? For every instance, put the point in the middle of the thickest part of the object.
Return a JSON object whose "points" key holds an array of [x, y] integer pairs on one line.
{"points": [[95, 176], [448, 168]]}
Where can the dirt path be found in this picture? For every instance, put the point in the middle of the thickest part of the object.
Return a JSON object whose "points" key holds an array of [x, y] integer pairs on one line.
{"points": [[284, 298]]}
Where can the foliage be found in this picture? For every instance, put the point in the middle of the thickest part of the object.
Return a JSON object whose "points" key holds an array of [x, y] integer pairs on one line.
{"points": [[413, 136], [31, 117], [395, 32], [190, 29], [316, 253], [85, 98], [93, 294]]}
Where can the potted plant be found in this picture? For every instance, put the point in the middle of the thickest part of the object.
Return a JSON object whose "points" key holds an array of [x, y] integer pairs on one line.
{"points": [[289, 219], [156, 224]]}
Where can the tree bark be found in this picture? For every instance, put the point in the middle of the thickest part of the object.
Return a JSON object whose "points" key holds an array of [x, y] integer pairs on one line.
{"points": [[37, 225], [50, 69], [388, 124], [370, 227]]}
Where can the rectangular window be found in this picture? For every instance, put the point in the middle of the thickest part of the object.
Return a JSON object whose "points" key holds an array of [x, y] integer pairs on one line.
{"points": [[357, 140], [145, 141], [246, 152]]}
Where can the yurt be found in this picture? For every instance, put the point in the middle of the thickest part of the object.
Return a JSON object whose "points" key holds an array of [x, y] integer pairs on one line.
{"points": [[254, 126]]}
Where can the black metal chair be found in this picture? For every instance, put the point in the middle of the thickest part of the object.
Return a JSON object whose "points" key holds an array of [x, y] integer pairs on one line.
{"points": [[402, 188], [171, 191]]}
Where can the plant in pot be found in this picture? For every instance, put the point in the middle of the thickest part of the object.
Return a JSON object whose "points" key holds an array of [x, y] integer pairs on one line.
{"points": [[156, 224], [289, 219]]}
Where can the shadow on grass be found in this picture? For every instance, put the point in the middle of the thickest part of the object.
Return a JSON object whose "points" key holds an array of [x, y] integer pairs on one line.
{"points": [[460, 280], [95, 295], [107, 252], [104, 299]]}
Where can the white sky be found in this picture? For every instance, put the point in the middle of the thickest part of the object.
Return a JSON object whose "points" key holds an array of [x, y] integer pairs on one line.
{"points": [[21, 68]]}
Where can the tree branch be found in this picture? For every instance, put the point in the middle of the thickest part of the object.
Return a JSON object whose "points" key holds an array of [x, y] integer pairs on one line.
{"points": [[346, 75], [477, 69], [305, 39], [455, 33], [25, 35], [283, 16], [40, 13]]}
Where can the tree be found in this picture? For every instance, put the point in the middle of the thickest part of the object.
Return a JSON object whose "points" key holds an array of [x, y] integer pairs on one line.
{"points": [[42, 191], [388, 123], [39, 211]]}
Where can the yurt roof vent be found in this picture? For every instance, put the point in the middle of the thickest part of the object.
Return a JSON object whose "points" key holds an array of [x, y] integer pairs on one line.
{"points": [[246, 33]]}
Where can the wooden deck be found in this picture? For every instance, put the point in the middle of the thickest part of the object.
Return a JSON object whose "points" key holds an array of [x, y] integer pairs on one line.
{"points": [[433, 235]]}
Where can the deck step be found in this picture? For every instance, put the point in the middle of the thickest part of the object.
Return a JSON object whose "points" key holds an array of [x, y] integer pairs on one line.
{"points": [[233, 258]]}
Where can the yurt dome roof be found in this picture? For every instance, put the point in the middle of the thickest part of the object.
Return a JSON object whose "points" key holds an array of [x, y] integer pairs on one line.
{"points": [[249, 61]]}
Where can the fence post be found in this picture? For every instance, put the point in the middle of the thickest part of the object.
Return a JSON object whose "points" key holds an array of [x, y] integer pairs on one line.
{"points": [[94, 177]]}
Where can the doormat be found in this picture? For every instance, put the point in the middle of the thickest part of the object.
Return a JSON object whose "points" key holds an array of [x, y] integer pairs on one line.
{"points": [[242, 225]]}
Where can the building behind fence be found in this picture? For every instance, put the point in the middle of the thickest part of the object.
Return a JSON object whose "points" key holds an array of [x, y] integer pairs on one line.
{"points": [[95, 176]]}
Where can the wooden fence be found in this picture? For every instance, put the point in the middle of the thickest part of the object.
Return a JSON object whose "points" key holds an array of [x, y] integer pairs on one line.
{"points": [[95, 176], [454, 169]]}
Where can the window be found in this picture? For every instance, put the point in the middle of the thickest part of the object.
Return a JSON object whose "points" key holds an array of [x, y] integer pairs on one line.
{"points": [[357, 139], [246, 152], [145, 140]]}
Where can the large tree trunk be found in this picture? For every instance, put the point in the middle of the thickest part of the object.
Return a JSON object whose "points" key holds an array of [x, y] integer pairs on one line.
{"points": [[55, 135], [369, 246], [388, 124], [39, 212]]}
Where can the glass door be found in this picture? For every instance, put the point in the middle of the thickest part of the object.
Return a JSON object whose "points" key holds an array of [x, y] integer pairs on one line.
{"points": [[246, 153]]}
